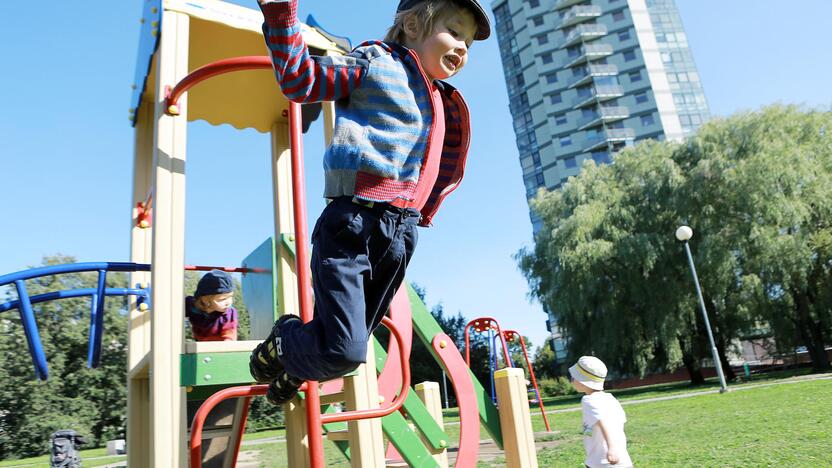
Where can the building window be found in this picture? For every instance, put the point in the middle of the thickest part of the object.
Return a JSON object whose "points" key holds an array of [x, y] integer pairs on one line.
{"points": [[624, 35], [534, 3], [565, 140], [539, 179], [601, 157], [555, 98], [542, 39], [629, 56], [560, 119], [641, 98], [635, 76], [647, 120], [537, 20], [547, 58], [552, 78], [618, 15], [573, 51], [570, 162]]}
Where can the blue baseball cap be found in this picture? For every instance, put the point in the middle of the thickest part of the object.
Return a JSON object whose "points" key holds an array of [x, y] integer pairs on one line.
{"points": [[483, 23], [214, 282]]}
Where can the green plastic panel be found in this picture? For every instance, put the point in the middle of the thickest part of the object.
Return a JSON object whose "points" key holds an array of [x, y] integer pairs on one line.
{"points": [[259, 289], [426, 328], [203, 369]]}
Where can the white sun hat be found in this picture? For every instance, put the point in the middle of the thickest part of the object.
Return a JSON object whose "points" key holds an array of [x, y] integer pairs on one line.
{"points": [[590, 371]]}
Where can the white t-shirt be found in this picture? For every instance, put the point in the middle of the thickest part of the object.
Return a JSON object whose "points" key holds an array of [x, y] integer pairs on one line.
{"points": [[599, 406]]}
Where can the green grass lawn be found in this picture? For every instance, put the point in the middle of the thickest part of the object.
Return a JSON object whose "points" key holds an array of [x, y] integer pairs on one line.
{"points": [[779, 425], [775, 425]]}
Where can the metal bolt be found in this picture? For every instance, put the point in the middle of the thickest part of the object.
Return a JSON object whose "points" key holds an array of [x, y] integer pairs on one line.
{"points": [[207, 377], [207, 359], [443, 344], [443, 443], [189, 389]]}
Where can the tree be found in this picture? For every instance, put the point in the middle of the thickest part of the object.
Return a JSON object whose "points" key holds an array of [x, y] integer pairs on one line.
{"points": [[545, 362], [606, 260], [90, 401]]}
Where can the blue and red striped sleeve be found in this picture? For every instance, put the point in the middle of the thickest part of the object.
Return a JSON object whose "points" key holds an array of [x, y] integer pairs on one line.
{"points": [[303, 77]]}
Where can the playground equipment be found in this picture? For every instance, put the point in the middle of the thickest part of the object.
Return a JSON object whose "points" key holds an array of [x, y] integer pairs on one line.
{"points": [[204, 59], [508, 337], [492, 327]]}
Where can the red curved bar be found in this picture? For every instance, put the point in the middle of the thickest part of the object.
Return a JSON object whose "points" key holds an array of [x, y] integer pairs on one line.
{"points": [[251, 62], [469, 418], [390, 377], [482, 324], [254, 390], [397, 402], [510, 335]]}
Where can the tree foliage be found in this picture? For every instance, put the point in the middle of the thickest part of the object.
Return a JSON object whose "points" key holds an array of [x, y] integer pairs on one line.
{"points": [[756, 188], [90, 401]]}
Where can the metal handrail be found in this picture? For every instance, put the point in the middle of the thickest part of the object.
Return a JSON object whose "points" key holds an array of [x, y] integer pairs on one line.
{"points": [[251, 62]]}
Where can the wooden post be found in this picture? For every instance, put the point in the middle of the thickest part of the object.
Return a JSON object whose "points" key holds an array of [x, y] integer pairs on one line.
{"points": [[138, 324], [428, 392], [167, 398], [365, 436], [515, 418]]}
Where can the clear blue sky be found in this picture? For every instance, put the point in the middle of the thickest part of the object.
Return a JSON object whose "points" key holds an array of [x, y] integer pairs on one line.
{"points": [[66, 146]]}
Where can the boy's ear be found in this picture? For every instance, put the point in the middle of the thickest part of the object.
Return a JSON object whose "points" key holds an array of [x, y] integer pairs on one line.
{"points": [[412, 28]]}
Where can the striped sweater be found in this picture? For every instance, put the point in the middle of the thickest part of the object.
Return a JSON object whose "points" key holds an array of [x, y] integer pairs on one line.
{"points": [[384, 113]]}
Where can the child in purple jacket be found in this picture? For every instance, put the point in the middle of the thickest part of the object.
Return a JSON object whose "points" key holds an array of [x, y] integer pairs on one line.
{"points": [[209, 310]]}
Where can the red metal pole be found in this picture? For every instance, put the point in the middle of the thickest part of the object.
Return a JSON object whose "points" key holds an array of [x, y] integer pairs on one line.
{"points": [[241, 431], [397, 402], [534, 382], [468, 344], [223, 268], [313, 400]]}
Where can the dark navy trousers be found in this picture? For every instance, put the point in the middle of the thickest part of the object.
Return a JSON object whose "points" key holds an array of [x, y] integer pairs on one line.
{"points": [[359, 257]]}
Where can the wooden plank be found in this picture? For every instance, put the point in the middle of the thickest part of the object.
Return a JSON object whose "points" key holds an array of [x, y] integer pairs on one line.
{"points": [[168, 258], [515, 418], [428, 392]]}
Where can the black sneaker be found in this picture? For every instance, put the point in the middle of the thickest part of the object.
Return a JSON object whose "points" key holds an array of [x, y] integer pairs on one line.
{"points": [[283, 388], [264, 364]]}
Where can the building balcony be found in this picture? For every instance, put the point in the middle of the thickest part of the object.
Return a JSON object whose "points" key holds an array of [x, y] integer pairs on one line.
{"points": [[610, 135], [591, 52], [584, 32], [599, 94], [579, 14], [560, 5], [605, 115], [594, 71]]}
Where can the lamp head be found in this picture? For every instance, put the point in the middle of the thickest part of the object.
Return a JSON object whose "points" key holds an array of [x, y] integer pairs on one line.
{"points": [[684, 233]]}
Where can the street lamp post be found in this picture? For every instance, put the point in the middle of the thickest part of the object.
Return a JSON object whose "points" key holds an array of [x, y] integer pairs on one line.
{"points": [[684, 233]]}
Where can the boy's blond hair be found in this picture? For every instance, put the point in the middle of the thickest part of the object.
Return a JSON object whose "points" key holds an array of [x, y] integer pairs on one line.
{"points": [[428, 12]]}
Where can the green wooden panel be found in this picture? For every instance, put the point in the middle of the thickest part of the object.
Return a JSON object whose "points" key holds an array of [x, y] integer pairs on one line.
{"points": [[202, 369], [417, 411], [426, 328], [406, 441], [259, 289]]}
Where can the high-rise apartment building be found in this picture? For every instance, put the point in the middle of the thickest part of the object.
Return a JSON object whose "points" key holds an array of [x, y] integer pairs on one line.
{"points": [[586, 78]]}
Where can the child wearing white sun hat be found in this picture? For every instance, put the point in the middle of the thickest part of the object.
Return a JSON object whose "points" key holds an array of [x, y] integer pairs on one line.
{"points": [[603, 417]]}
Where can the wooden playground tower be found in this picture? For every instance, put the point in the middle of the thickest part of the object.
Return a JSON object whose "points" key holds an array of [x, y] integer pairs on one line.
{"points": [[188, 51]]}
